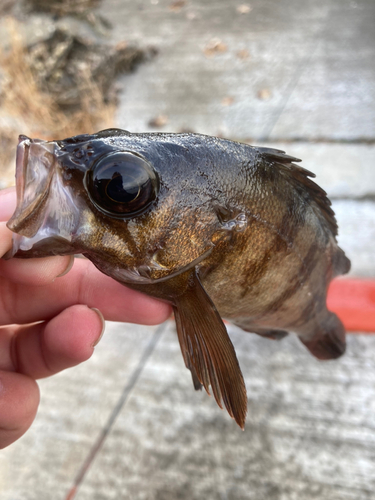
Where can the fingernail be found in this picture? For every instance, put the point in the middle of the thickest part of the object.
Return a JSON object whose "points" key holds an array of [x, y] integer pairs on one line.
{"points": [[103, 326], [68, 268]]}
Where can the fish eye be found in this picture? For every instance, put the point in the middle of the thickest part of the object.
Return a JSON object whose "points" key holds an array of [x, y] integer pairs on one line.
{"points": [[122, 184]]}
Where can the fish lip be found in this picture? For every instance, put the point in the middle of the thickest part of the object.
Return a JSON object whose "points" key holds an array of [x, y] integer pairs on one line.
{"points": [[27, 179], [42, 199], [21, 162]]}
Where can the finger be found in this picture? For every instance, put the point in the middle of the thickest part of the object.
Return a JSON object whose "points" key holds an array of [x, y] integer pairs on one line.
{"points": [[5, 238], [19, 399], [7, 203], [43, 349], [84, 284], [30, 271], [35, 272]]}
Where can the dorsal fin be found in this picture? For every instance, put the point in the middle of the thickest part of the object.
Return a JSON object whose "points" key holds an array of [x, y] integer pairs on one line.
{"points": [[300, 179]]}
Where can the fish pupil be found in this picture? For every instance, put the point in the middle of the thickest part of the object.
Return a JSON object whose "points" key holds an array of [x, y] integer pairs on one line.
{"points": [[122, 189], [122, 184]]}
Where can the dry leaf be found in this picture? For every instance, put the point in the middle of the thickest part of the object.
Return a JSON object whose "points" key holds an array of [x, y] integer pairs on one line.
{"points": [[158, 121], [264, 94], [214, 46], [243, 54], [177, 5], [227, 101], [244, 8]]}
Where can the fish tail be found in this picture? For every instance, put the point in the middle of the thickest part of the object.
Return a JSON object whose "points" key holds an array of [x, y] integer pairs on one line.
{"points": [[329, 341]]}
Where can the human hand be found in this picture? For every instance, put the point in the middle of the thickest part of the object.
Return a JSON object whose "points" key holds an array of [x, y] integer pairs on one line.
{"points": [[47, 323]]}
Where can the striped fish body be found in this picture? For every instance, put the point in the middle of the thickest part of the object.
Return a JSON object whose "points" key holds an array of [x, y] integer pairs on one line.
{"points": [[215, 227]]}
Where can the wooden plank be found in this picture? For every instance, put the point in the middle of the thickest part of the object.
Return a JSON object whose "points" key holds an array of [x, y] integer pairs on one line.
{"points": [[75, 407], [310, 431]]}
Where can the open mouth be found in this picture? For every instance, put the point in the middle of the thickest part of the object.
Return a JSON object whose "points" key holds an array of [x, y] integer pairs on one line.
{"points": [[45, 206], [34, 162]]}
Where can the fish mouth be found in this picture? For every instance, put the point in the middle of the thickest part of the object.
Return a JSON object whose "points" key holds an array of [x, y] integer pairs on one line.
{"points": [[45, 209]]}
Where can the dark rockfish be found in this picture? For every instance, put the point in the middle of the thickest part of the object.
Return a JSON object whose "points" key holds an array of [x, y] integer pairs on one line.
{"points": [[214, 227]]}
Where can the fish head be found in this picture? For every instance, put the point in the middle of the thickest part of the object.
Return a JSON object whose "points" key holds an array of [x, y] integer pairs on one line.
{"points": [[131, 203]]}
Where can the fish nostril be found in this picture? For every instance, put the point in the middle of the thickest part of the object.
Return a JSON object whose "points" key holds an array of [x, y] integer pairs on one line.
{"points": [[78, 153]]}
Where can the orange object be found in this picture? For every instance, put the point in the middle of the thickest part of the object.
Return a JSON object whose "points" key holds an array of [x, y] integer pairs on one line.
{"points": [[353, 300]]}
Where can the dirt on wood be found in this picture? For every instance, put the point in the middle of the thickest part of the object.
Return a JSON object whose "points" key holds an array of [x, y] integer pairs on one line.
{"points": [[61, 86]]}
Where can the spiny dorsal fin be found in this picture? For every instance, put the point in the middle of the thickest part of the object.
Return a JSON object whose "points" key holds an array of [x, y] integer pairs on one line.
{"points": [[300, 179], [208, 351]]}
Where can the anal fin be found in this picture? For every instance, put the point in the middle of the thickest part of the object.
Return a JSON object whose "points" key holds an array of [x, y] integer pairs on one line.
{"points": [[207, 349]]}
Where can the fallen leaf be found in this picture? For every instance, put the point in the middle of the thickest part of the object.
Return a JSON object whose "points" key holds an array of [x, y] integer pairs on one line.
{"points": [[227, 101], [264, 94], [243, 54], [177, 5], [214, 46], [158, 121], [243, 8]]}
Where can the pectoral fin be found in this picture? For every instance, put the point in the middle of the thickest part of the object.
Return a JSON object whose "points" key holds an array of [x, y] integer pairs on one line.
{"points": [[207, 349]]}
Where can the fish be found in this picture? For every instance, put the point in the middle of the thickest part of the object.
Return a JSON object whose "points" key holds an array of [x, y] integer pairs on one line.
{"points": [[216, 228]]}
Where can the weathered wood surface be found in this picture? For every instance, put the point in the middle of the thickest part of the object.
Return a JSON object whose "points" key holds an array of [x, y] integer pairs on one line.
{"points": [[308, 73], [310, 432]]}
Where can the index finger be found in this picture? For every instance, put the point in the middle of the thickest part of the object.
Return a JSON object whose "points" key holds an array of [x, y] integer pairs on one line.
{"points": [[7, 203], [84, 284]]}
